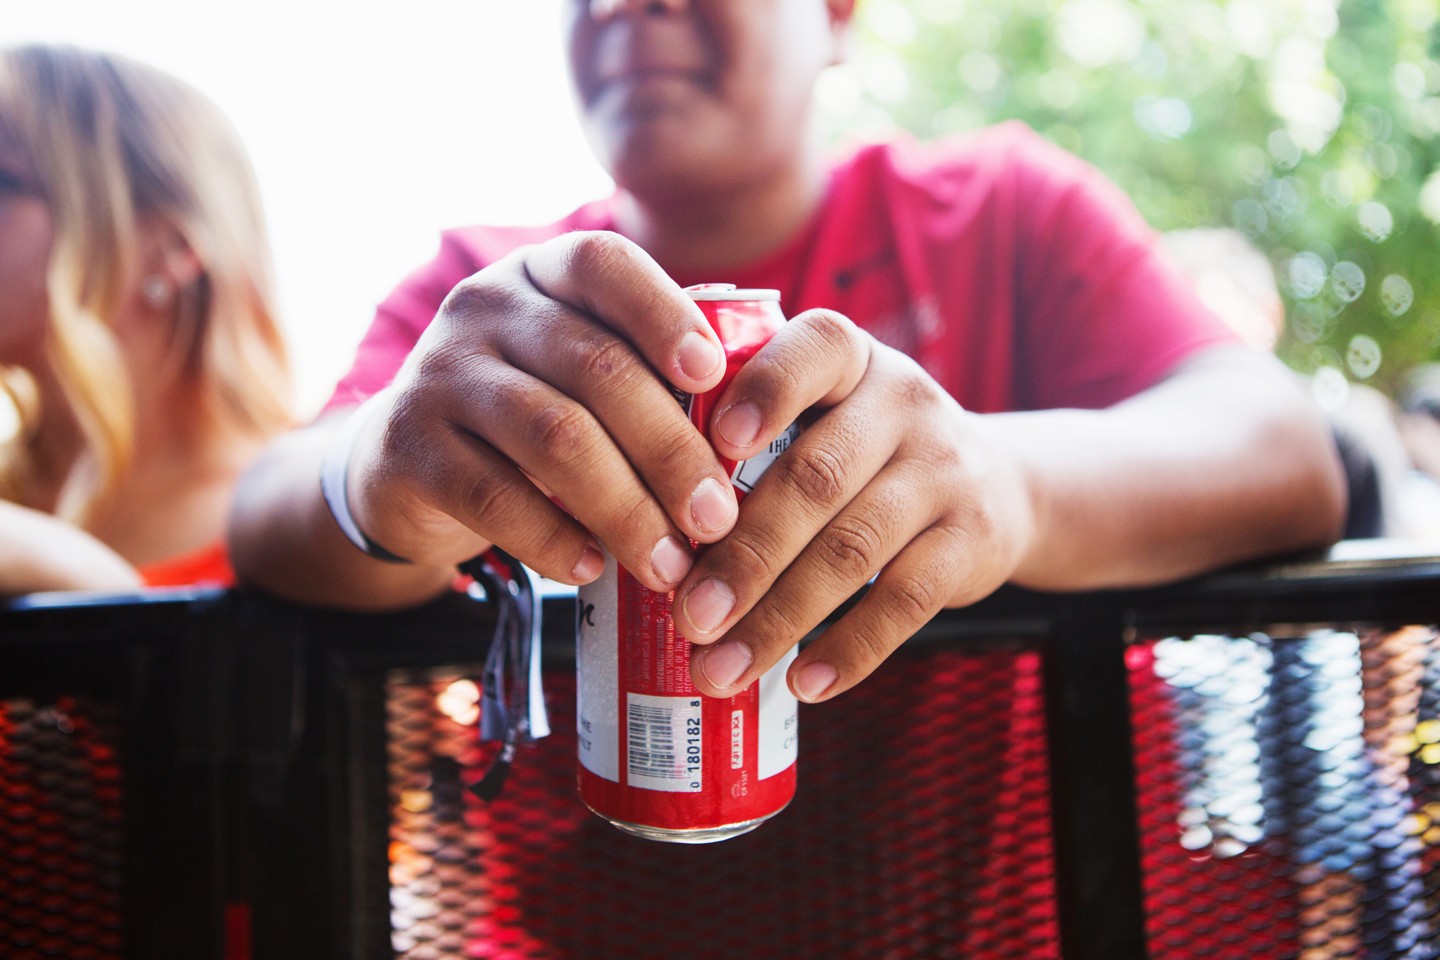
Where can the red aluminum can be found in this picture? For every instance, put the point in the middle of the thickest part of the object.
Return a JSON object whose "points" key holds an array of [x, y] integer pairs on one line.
{"points": [[658, 759]]}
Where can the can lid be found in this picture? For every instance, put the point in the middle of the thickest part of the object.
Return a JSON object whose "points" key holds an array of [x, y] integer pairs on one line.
{"points": [[728, 291]]}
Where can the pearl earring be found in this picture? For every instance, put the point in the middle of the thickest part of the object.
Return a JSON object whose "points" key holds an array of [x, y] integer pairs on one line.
{"points": [[156, 290]]}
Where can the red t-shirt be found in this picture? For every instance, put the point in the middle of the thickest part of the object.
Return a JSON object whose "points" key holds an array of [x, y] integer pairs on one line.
{"points": [[1016, 274], [1013, 272]]}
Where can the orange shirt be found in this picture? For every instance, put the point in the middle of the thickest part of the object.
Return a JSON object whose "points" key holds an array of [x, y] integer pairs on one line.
{"points": [[207, 567]]}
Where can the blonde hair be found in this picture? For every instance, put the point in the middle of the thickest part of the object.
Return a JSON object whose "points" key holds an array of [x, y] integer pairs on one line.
{"points": [[116, 144]]}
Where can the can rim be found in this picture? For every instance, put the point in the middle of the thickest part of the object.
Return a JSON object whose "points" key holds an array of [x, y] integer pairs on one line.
{"points": [[728, 291]]}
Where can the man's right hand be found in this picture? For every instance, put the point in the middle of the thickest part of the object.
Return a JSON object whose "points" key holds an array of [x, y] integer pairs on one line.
{"points": [[549, 374]]}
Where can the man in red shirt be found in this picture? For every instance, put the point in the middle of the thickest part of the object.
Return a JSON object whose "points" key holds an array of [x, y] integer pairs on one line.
{"points": [[1002, 379]]}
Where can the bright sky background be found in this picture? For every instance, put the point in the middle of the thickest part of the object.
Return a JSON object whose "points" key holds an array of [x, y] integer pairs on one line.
{"points": [[372, 126]]}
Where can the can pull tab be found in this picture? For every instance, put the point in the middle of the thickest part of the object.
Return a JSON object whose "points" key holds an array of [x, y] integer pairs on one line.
{"points": [[512, 697]]}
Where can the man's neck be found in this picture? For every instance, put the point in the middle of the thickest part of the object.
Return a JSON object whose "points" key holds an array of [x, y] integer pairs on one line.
{"points": [[706, 231]]}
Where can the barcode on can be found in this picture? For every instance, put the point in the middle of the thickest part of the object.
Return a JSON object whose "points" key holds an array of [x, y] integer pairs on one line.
{"points": [[737, 739], [663, 738]]}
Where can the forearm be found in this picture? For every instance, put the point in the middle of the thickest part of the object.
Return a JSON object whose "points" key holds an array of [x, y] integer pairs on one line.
{"points": [[40, 552], [284, 540], [1213, 467]]}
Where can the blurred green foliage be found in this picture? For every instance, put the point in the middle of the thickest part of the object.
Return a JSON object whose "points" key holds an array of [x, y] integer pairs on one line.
{"points": [[1313, 126]]}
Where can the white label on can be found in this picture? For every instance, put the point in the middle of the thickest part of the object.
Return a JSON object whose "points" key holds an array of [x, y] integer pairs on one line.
{"points": [[747, 472], [778, 721], [597, 685], [663, 743]]}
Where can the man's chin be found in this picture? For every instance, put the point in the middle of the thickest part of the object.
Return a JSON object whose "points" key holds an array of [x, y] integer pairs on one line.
{"points": [[659, 148]]}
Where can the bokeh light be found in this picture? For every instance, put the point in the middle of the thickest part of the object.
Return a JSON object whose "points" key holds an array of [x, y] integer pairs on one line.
{"points": [[1311, 126]]}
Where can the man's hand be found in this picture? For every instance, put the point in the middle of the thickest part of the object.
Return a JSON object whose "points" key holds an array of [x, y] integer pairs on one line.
{"points": [[548, 375], [1223, 461], [890, 481]]}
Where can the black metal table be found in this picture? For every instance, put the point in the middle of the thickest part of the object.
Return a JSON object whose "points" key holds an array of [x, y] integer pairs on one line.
{"points": [[1244, 765]]}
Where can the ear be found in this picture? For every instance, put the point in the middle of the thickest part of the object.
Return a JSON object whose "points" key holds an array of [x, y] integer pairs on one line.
{"points": [[182, 264], [166, 253]]}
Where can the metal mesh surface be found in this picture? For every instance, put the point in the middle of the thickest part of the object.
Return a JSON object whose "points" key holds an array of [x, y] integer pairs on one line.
{"points": [[921, 829], [60, 830], [1289, 794]]}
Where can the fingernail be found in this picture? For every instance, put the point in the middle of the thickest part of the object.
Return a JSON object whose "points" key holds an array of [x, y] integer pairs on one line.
{"points": [[723, 663], [813, 680], [669, 560], [698, 356], [740, 424], [590, 565], [711, 507], [708, 605]]}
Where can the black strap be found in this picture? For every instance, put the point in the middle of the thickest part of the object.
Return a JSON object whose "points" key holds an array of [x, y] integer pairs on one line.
{"points": [[511, 700]]}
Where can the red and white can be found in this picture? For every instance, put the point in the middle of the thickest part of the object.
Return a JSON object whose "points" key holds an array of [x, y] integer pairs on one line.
{"points": [[658, 758]]}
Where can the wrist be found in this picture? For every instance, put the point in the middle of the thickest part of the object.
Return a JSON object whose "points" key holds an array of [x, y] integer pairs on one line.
{"points": [[335, 482], [1018, 499]]}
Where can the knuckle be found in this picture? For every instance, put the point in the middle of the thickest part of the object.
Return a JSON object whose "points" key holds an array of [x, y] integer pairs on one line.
{"points": [[563, 432], [908, 386], [827, 333], [554, 538], [675, 445], [633, 514], [777, 625], [850, 548], [915, 599], [610, 362], [970, 580], [873, 645], [978, 521], [483, 494], [478, 295], [816, 474], [784, 385], [918, 392], [750, 553], [454, 351], [831, 327], [434, 363], [593, 251], [945, 458]]}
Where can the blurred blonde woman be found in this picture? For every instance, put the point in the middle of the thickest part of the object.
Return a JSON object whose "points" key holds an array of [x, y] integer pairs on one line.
{"points": [[138, 340]]}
